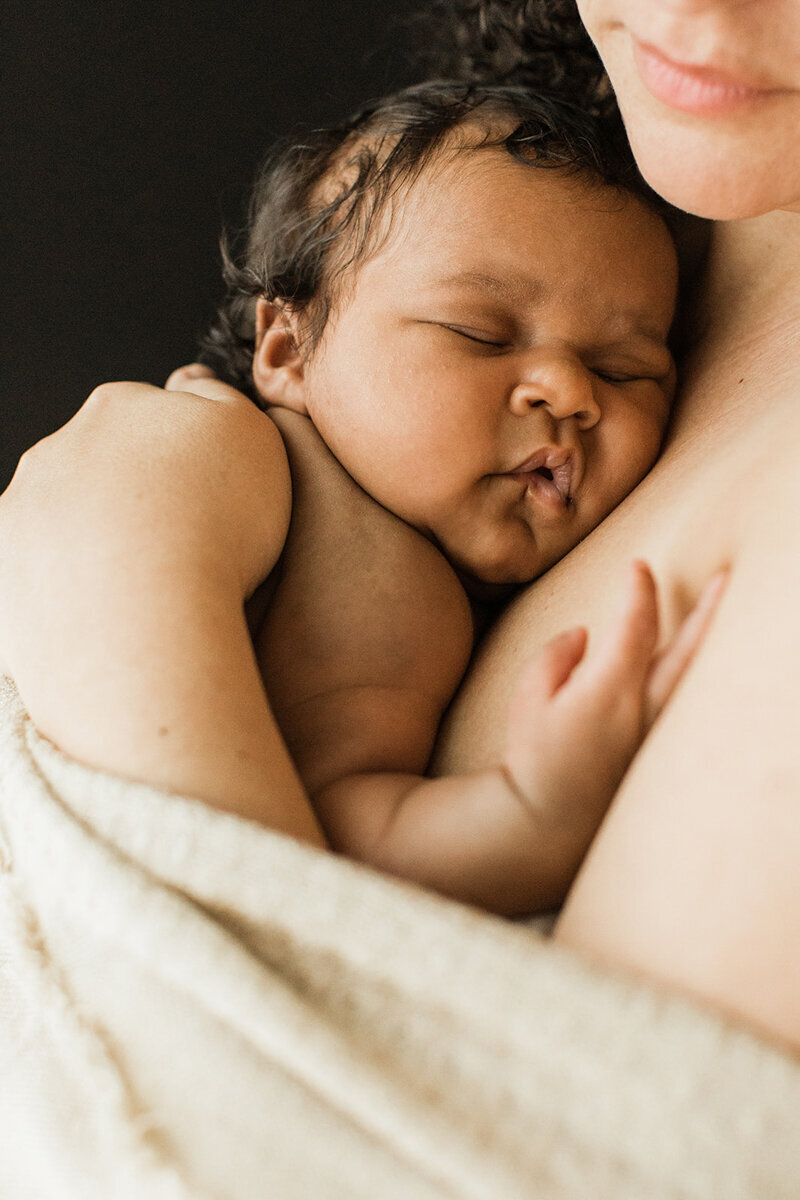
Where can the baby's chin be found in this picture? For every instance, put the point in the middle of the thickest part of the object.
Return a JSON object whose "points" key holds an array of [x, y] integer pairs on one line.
{"points": [[484, 592], [494, 581], [496, 560], [510, 570]]}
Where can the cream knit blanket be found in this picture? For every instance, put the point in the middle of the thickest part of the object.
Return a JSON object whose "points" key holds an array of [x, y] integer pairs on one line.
{"points": [[193, 1006]]}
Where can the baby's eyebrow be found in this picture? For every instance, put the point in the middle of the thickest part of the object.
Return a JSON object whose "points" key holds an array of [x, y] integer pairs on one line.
{"points": [[641, 336], [511, 287], [627, 329]]}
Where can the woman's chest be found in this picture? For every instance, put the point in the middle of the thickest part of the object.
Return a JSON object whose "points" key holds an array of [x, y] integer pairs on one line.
{"points": [[722, 471]]}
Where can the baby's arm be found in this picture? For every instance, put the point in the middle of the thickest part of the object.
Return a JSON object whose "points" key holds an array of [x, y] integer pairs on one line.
{"points": [[510, 839], [361, 650]]}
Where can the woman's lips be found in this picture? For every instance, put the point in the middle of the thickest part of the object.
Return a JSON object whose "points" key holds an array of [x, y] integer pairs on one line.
{"points": [[702, 91]]}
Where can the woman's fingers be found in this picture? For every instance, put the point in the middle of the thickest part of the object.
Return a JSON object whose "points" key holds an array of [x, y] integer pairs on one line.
{"points": [[670, 664], [181, 378], [200, 380]]}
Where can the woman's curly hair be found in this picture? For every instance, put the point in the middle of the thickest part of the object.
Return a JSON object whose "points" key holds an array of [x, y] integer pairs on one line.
{"points": [[317, 203], [539, 44]]}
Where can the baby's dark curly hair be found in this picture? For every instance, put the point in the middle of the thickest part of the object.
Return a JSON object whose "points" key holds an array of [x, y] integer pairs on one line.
{"points": [[316, 206]]}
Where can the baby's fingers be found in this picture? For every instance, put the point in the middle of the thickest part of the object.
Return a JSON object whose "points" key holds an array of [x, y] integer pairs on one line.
{"points": [[673, 660], [542, 677], [621, 663], [545, 674]]}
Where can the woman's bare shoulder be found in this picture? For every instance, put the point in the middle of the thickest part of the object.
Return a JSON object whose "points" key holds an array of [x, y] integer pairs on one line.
{"points": [[156, 427], [136, 456]]}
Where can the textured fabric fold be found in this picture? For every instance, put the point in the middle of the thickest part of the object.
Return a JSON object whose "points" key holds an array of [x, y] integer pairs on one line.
{"points": [[193, 1006]]}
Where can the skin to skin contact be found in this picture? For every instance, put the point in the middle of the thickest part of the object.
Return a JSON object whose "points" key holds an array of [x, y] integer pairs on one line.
{"points": [[463, 355], [692, 879]]}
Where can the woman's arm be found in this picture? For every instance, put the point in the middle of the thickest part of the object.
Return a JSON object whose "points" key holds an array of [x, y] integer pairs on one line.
{"points": [[130, 540]]}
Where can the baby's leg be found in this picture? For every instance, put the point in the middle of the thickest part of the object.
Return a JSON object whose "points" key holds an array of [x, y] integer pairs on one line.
{"points": [[695, 877]]}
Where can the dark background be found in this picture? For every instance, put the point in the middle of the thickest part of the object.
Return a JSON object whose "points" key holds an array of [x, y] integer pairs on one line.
{"points": [[133, 133]]}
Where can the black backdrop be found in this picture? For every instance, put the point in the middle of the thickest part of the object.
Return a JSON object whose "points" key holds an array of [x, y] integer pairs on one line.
{"points": [[133, 132]]}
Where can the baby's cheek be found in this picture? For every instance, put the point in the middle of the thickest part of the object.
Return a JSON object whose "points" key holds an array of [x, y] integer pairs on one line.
{"points": [[642, 441], [621, 472], [651, 441]]}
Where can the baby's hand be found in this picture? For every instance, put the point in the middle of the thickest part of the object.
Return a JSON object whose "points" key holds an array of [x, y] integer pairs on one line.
{"points": [[571, 737]]}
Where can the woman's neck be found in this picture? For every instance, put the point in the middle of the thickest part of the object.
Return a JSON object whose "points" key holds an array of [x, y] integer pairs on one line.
{"points": [[753, 275], [746, 320]]}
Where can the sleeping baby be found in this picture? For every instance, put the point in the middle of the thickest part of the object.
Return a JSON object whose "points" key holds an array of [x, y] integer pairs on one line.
{"points": [[457, 316]]}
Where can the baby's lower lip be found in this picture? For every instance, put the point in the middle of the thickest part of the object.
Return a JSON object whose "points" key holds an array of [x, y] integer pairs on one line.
{"points": [[542, 490], [695, 90]]}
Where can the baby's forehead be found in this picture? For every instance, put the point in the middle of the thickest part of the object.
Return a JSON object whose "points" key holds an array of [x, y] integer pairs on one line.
{"points": [[471, 201], [485, 229], [470, 166], [471, 192]]}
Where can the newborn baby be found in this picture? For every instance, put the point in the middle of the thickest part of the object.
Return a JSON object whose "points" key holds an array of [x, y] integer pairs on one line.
{"points": [[458, 319]]}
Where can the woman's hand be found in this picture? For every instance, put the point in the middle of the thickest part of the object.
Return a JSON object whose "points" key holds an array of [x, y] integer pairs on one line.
{"points": [[576, 720]]}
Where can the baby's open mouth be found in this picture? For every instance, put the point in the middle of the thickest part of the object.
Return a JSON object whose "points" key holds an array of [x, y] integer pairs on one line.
{"points": [[551, 474], [559, 477]]}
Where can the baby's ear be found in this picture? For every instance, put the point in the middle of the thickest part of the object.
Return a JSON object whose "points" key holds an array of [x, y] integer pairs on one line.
{"points": [[277, 362]]}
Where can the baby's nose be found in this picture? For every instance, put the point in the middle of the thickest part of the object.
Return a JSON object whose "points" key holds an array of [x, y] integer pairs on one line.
{"points": [[561, 384]]}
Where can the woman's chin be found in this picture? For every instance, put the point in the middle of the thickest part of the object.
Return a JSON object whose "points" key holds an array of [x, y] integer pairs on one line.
{"points": [[727, 160], [704, 176]]}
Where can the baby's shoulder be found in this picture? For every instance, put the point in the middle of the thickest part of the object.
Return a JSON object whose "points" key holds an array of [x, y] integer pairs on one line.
{"points": [[362, 598]]}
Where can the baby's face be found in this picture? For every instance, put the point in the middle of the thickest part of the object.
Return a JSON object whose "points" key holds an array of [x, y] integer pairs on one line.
{"points": [[497, 373]]}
